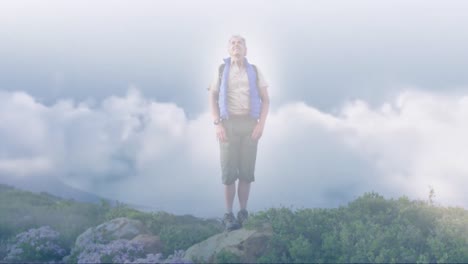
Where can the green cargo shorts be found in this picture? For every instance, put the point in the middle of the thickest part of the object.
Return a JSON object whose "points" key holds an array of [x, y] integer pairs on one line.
{"points": [[239, 153]]}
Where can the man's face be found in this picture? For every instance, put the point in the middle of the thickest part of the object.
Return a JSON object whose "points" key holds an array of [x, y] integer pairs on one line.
{"points": [[237, 47]]}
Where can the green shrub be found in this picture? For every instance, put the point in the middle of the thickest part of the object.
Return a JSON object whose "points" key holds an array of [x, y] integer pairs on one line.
{"points": [[227, 257], [370, 229]]}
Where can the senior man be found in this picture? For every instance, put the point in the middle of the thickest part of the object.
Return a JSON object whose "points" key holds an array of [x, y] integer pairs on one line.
{"points": [[239, 104]]}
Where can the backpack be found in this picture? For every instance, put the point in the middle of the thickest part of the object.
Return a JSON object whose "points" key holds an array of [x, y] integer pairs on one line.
{"points": [[221, 70]]}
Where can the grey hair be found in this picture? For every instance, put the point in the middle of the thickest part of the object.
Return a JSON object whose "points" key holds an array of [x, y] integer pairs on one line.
{"points": [[238, 37]]}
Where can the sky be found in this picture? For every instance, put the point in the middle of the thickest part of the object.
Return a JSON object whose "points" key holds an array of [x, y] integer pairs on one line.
{"points": [[110, 97]]}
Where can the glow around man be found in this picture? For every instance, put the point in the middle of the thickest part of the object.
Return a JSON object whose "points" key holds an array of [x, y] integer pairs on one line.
{"points": [[239, 104]]}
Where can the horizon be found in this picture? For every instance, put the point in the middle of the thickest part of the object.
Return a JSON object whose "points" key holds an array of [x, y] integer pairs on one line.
{"points": [[430, 199]]}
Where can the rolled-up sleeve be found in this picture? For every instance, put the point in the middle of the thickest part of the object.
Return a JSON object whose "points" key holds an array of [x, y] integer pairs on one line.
{"points": [[261, 79], [214, 85]]}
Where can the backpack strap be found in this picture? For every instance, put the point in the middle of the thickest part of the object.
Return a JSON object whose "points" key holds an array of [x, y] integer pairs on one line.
{"points": [[221, 70], [220, 73]]}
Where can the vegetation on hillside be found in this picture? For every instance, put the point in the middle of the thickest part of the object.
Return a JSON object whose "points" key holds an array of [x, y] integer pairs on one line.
{"points": [[22, 210], [369, 229]]}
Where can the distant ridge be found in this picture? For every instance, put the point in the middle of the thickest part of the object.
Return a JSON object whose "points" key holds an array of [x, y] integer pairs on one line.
{"points": [[52, 186]]}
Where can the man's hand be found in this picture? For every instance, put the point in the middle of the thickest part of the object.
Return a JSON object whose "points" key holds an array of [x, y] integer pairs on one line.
{"points": [[258, 131], [221, 133]]}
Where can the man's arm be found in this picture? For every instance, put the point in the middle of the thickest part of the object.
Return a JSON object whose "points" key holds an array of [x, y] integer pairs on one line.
{"points": [[258, 131], [213, 100]]}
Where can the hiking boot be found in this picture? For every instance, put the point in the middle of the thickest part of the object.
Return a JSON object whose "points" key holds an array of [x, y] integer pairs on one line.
{"points": [[230, 223], [242, 216]]}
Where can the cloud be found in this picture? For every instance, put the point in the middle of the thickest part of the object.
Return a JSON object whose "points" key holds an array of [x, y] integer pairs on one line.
{"points": [[414, 142], [145, 152], [308, 50]]}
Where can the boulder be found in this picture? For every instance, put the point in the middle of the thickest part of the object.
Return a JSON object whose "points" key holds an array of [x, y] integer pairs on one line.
{"points": [[151, 244], [118, 240], [245, 245], [118, 228]]}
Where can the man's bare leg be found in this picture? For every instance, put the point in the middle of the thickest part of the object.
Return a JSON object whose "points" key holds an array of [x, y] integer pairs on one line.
{"points": [[229, 194], [243, 191]]}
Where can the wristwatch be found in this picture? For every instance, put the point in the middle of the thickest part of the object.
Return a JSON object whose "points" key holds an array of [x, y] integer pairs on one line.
{"points": [[217, 121]]}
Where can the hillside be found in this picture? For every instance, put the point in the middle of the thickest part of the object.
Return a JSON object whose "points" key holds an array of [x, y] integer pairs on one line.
{"points": [[369, 229], [51, 185], [21, 210]]}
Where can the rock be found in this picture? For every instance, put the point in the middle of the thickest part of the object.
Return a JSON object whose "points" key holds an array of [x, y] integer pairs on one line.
{"points": [[151, 244], [118, 240], [245, 245], [119, 228]]}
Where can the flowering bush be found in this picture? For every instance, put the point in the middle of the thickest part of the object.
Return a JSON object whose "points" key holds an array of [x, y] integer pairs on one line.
{"points": [[117, 251], [41, 244], [123, 251], [176, 258]]}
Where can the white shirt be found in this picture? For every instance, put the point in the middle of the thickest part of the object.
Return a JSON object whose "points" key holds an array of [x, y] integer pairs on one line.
{"points": [[238, 96]]}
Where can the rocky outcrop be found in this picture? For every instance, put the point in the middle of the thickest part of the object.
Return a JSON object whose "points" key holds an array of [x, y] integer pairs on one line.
{"points": [[124, 240], [118, 240], [119, 228], [242, 245], [151, 243]]}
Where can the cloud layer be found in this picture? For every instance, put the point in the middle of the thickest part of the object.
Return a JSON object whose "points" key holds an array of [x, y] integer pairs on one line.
{"points": [[145, 152], [89, 49]]}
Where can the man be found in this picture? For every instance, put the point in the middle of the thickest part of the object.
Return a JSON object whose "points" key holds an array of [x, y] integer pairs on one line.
{"points": [[239, 104]]}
